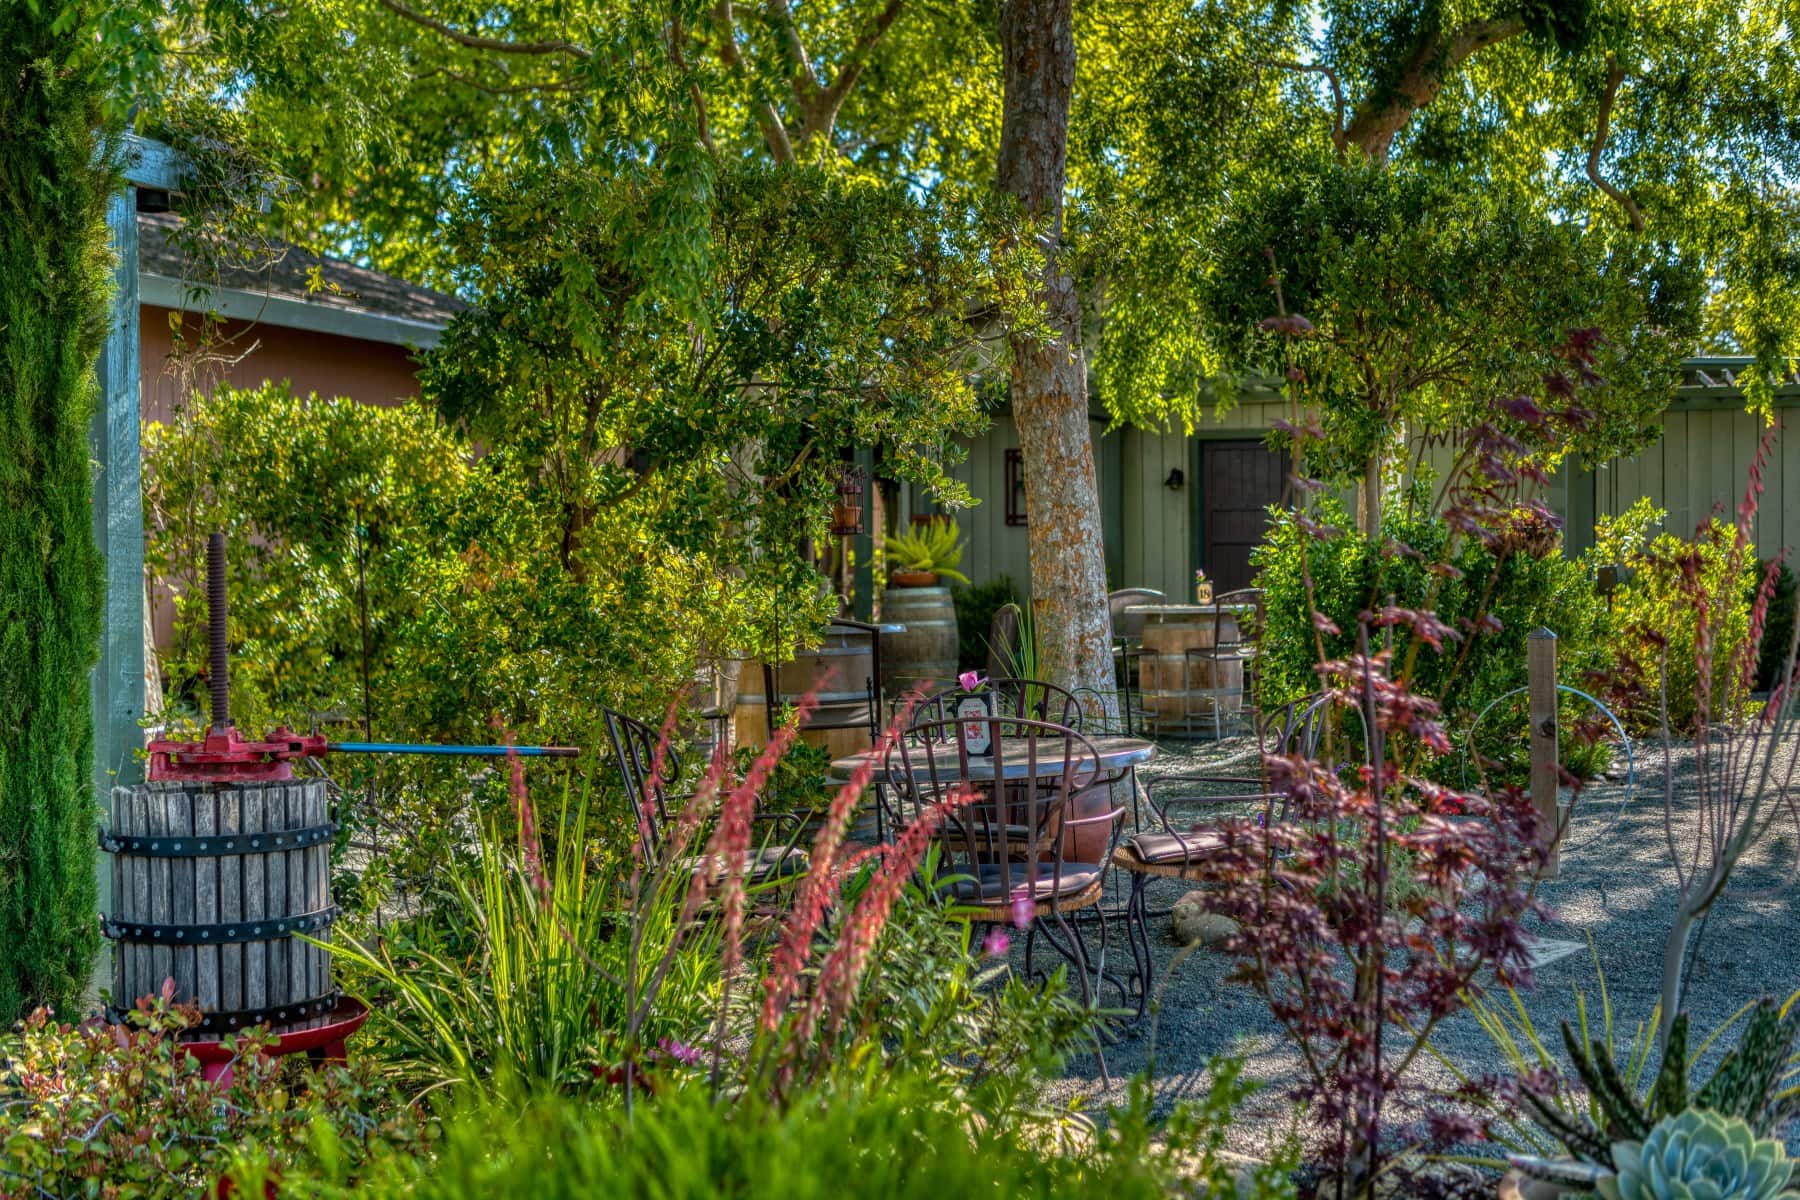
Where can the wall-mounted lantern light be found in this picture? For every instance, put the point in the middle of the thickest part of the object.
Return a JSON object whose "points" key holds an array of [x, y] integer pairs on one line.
{"points": [[1175, 480]]}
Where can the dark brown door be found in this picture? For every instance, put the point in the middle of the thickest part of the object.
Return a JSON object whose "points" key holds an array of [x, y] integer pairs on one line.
{"points": [[1239, 480]]}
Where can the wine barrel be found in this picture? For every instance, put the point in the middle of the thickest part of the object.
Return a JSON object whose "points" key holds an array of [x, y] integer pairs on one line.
{"points": [[838, 669], [210, 883], [926, 651], [1178, 692]]}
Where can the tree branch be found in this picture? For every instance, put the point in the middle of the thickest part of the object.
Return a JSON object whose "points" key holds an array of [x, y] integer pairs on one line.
{"points": [[469, 81], [1337, 94], [805, 79], [767, 118], [1383, 116], [702, 126], [824, 111], [477, 42], [1615, 75]]}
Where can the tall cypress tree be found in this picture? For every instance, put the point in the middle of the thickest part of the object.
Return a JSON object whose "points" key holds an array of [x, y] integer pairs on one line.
{"points": [[55, 277]]}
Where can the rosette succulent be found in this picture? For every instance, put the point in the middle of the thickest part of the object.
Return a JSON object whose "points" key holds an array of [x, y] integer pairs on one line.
{"points": [[1698, 1155]]}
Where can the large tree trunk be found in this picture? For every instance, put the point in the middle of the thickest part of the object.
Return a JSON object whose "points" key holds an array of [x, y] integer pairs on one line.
{"points": [[1049, 380]]}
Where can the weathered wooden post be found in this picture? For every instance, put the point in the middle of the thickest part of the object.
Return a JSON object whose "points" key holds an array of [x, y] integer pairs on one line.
{"points": [[1540, 663]]}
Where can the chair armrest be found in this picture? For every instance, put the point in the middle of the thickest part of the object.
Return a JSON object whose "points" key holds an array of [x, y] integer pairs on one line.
{"points": [[1094, 819], [792, 819]]}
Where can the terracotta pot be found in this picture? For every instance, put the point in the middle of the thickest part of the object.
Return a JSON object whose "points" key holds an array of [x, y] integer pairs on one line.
{"points": [[846, 519], [916, 579]]}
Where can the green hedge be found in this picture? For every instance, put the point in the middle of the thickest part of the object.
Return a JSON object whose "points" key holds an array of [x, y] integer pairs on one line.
{"points": [[55, 272], [1526, 585]]}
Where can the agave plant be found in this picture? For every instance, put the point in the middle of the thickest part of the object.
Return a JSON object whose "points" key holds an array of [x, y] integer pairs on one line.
{"points": [[935, 546], [1698, 1155]]}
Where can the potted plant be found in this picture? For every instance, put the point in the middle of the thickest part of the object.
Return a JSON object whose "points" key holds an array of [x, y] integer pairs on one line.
{"points": [[921, 557]]}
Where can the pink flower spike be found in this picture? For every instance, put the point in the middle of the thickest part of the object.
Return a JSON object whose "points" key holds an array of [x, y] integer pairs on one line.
{"points": [[995, 943], [970, 680]]}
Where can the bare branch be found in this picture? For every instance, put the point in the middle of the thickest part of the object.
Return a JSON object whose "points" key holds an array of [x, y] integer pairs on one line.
{"points": [[767, 118], [1615, 75], [477, 42], [805, 79], [829, 101], [1337, 94], [702, 126], [513, 89]]}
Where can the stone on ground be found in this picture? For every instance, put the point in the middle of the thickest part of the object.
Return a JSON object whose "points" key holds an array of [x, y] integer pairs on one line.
{"points": [[1191, 922]]}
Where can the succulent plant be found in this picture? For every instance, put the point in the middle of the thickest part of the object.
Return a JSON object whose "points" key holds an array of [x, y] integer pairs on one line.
{"points": [[1746, 1086], [1698, 1155]]}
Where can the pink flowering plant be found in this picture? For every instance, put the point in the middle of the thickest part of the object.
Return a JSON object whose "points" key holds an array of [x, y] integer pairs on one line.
{"points": [[1358, 966]]}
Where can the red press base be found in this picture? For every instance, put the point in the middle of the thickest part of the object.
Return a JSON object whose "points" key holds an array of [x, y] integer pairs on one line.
{"points": [[322, 1044]]}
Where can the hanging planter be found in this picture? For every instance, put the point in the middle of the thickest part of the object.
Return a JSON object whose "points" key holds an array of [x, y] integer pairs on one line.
{"points": [[846, 514]]}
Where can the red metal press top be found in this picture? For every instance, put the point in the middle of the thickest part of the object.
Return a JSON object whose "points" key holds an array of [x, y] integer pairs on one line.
{"points": [[225, 757]]}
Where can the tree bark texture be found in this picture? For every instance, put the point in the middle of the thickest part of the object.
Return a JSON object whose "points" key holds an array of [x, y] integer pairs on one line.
{"points": [[1049, 379]]}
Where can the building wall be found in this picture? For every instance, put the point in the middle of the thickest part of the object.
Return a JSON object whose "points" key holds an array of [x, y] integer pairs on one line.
{"points": [[372, 372], [995, 548], [1699, 464]]}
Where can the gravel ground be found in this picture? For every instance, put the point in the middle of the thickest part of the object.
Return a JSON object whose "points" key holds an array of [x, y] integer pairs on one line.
{"points": [[1617, 887]]}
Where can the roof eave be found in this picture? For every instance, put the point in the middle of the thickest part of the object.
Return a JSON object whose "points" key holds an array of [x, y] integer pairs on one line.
{"points": [[163, 292]]}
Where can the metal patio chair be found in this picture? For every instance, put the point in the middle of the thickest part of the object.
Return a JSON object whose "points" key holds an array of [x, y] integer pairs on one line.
{"points": [[1128, 642], [1236, 648], [991, 871], [634, 747]]}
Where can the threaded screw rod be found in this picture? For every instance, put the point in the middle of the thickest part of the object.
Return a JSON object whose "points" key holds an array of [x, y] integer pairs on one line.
{"points": [[218, 678]]}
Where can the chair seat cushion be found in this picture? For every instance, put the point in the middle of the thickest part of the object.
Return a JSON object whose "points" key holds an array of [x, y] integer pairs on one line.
{"points": [[987, 887], [768, 862], [1162, 848]]}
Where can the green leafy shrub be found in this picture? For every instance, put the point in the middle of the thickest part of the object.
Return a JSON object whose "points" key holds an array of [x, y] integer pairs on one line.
{"points": [[123, 1111], [383, 577], [976, 605], [801, 781], [55, 277], [882, 1136], [1659, 618], [1698, 1155], [1491, 599]]}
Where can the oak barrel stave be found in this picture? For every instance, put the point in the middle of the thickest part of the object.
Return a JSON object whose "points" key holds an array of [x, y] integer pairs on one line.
{"points": [[1177, 690], [925, 652], [245, 968]]}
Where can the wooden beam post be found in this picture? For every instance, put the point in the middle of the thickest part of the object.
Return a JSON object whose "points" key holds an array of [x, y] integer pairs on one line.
{"points": [[117, 682], [1545, 776]]}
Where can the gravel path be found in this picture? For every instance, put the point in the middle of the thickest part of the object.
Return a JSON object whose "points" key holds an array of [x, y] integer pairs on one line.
{"points": [[1617, 887]]}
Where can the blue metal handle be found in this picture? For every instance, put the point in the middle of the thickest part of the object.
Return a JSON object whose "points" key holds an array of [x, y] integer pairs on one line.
{"points": [[463, 751]]}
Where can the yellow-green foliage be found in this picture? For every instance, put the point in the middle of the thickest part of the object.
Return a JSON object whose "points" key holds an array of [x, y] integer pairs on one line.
{"points": [[935, 546], [54, 278], [1674, 587]]}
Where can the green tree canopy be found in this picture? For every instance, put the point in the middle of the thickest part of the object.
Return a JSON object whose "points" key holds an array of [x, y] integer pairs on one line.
{"points": [[1440, 185]]}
